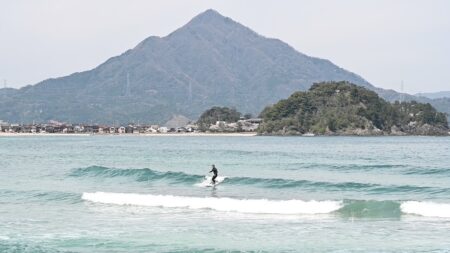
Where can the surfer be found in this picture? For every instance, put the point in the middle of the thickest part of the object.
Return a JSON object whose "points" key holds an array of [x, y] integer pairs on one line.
{"points": [[214, 170]]}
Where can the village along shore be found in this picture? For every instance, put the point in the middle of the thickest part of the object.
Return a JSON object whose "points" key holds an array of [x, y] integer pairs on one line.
{"points": [[243, 127]]}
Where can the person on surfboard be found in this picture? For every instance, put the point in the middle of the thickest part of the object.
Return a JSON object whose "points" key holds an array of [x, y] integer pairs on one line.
{"points": [[214, 171]]}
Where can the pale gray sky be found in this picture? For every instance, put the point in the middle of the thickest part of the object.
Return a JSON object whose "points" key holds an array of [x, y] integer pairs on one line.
{"points": [[384, 41]]}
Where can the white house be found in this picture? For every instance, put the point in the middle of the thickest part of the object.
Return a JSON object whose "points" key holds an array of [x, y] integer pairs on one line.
{"points": [[163, 129]]}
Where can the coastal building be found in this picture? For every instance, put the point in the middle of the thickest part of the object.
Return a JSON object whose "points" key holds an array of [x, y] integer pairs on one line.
{"points": [[191, 127], [152, 129], [78, 129], [163, 129], [129, 129], [4, 126]]}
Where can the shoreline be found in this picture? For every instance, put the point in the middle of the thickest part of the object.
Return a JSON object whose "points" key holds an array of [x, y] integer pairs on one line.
{"points": [[135, 135], [2, 134]]}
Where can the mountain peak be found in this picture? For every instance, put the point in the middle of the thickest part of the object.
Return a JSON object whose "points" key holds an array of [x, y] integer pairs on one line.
{"points": [[208, 15], [210, 23]]}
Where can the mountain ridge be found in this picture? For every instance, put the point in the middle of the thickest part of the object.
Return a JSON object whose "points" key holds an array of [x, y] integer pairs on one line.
{"points": [[434, 95], [210, 61]]}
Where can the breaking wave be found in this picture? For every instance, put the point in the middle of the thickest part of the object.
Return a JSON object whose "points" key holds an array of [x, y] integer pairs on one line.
{"points": [[430, 209], [219, 204], [345, 208], [146, 174]]}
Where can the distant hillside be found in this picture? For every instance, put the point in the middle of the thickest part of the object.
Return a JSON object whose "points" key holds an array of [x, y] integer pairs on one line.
{"points": [[211, 61], [441, 104], [434, 95], [342, 108]]}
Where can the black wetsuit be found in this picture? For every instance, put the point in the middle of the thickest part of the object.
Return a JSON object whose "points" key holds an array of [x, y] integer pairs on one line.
{"points": [[214, 170]]}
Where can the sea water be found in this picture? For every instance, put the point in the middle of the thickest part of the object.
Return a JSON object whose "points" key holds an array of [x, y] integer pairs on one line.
{"points": [[278, 194]]}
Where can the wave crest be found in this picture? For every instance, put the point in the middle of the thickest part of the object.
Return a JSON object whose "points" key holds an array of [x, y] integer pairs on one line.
{"points": [[140, 175], [429, 209], [263, 206]]}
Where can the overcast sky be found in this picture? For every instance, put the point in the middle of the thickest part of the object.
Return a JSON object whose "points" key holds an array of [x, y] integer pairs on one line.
{"points": [[384, 41]]}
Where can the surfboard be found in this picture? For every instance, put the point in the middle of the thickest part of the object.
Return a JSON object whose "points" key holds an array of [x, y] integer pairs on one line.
{"points": [[213, 185], [207, 182]]}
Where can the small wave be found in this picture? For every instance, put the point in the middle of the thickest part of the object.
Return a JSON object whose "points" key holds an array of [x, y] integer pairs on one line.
{"points": [[428, 171], [365, 167], [40, 196], [262, 206], [345, 167], [279, 183], [429, 209], [291, 183], [370, 209], [139, 174], [16, 247], [55, 196]]}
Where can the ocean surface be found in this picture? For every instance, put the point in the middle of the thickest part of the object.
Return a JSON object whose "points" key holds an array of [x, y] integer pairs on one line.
{"points": [[278, 194]]}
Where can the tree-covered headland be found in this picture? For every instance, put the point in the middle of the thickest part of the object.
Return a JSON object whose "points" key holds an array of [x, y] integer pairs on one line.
{"points": [[342, 108], [216, 113]]}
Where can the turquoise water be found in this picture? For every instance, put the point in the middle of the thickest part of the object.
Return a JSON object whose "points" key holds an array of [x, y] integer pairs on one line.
{"points": [[279, 194]]}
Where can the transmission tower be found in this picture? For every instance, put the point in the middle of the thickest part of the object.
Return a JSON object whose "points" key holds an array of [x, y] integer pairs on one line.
{"points": [[127, 89], [190, 92], [401, 92]]}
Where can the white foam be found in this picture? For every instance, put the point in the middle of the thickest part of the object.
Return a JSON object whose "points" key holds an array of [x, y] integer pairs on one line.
{"points": [[4, 237], [219, 204], [207, 182], [429, 209]]}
